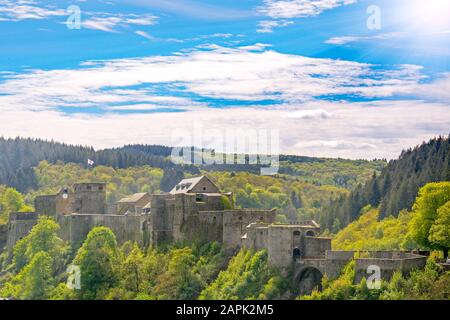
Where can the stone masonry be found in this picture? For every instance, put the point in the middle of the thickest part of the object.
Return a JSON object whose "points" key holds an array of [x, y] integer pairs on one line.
{"points": [[197, 211]]}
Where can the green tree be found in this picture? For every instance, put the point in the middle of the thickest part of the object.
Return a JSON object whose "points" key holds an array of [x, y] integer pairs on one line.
{"points": [[440, 230], [11, 201], [98, 259], [132, 270], [179, 281], [430, 198], [34, 281], [43, 237]]}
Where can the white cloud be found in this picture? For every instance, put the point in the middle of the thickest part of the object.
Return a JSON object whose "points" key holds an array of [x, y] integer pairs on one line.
{"points": [[22, 10], [309, 114], [335, 144], [216, 72], [349, 39], [253, 74], [287, 9], [145, 35], [356, 130], [256, 47], [267, 26], [111, 22], [280, 11]]}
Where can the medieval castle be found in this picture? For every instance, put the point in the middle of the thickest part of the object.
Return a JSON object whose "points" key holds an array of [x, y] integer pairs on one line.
{"points": [[196, 210]]}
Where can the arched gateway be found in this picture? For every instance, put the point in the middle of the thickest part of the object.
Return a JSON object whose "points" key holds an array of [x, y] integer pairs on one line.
{"points": [[308, 280]]}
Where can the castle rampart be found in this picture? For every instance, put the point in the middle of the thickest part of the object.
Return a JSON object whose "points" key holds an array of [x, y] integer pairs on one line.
{"points": [[196, 211]]}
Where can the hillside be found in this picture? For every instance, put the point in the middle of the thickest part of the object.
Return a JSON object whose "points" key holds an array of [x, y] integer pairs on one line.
{"points": [[396, 187]]}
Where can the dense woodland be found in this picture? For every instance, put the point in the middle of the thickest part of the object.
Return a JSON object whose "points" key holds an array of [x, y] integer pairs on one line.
{"points": [[363, 204], [396, 187]]}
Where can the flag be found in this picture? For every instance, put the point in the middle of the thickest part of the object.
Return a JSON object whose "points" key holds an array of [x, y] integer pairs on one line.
{"points": [[90, 162]]}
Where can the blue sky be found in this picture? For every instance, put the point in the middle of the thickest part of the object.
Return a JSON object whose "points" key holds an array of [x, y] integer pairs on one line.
{"points": [[336, 78]]}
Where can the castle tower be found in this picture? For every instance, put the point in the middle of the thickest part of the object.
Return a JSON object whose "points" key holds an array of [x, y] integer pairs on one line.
{"points": [[89, 198]]}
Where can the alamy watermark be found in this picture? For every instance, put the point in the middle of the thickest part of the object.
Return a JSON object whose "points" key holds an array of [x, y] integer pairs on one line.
{"points": [[374, 20], [74, 19], [74, 277], [374, 279], [251, 146]]}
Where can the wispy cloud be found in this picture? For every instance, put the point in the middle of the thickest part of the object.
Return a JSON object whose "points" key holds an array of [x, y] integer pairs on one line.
{"points": [[212, 72], [280, 11], [349, 39], [133, 98], [309, 114], [145, 35], [287, 9], [267, 26], [112, 22], [27, 9]]}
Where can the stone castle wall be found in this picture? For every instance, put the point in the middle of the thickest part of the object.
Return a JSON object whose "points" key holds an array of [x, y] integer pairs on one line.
{"points": [[75, 227], [389, 262], [235, 224], [315, 247], [3, 236], [20, 224]]}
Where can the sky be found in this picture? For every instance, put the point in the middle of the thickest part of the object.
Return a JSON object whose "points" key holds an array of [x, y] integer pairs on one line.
{"points": [[333, 78]]}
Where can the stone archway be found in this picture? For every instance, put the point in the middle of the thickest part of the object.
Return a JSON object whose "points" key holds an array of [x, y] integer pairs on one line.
{"points": [[308, 280]]}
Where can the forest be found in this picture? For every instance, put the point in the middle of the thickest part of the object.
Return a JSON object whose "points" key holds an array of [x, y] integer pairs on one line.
{"points": [[362, 204]]}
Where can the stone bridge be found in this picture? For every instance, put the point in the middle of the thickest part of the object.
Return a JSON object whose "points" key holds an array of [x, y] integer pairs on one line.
{"points": [[308, 272]]}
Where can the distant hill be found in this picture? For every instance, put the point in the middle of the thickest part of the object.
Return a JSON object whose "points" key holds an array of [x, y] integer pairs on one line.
{"points": [[396, 187], [18, 156]]}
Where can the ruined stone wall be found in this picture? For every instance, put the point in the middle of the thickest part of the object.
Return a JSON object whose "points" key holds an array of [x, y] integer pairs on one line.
{"points": [[75, 227]]}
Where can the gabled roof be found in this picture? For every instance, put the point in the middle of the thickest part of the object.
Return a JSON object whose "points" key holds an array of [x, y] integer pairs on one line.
{"points": [[133, 198], [186, 185]]}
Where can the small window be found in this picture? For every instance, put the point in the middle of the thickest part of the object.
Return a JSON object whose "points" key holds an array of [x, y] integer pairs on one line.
{"points": [[261, 218], [296, 233], [89, 187], [100, 188], [310, 233], [296, 253], [240, 218], [204, 188]]}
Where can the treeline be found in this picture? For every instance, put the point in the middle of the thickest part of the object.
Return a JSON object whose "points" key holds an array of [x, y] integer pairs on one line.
{"points": [[43, 265], [18, 157], [396, 187]]}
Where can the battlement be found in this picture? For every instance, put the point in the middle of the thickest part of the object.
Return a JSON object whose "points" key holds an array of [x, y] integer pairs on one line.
{"points": [[90, 187], [196, 211]]}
